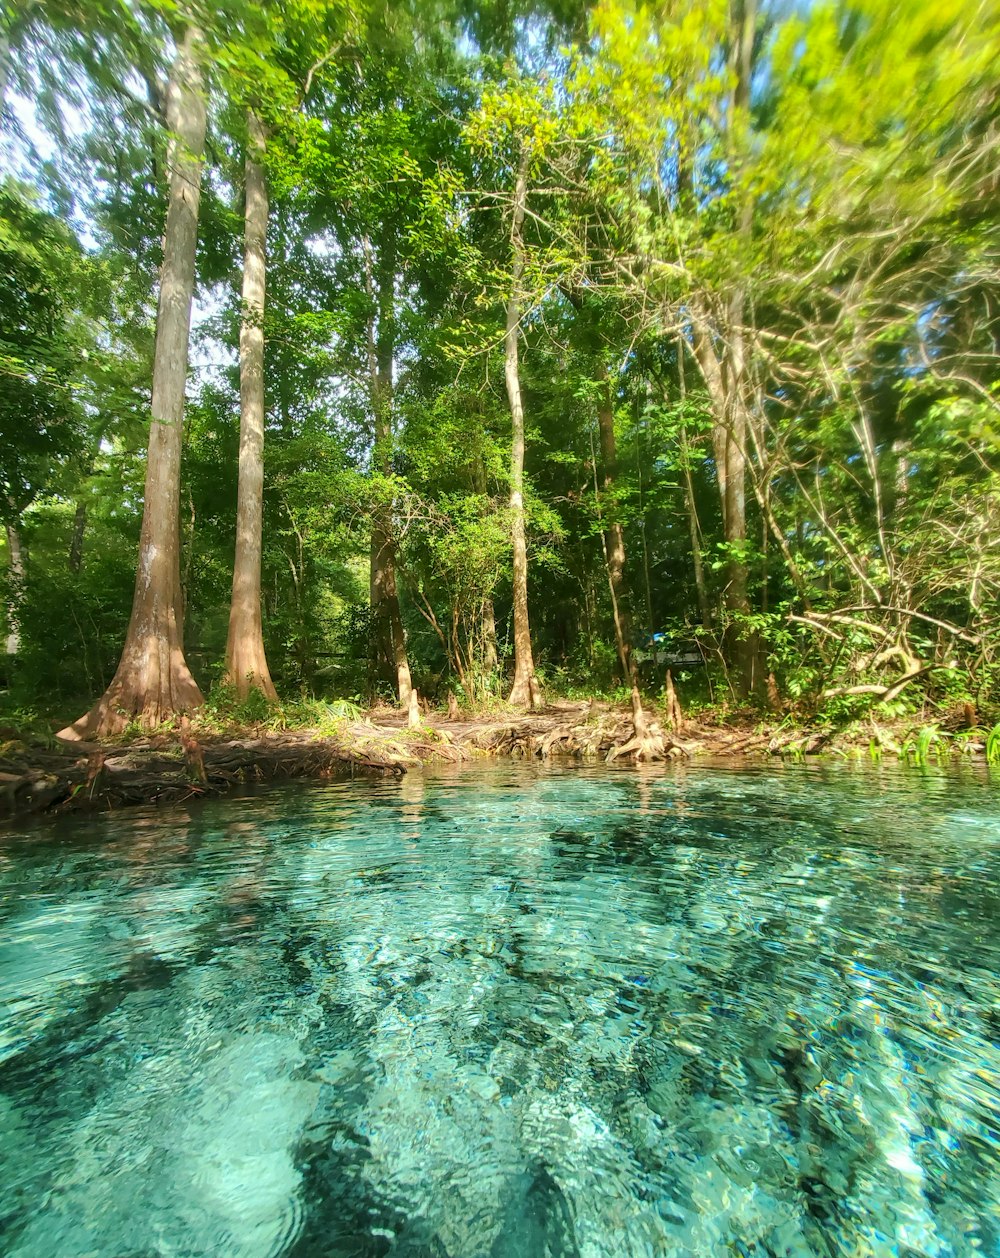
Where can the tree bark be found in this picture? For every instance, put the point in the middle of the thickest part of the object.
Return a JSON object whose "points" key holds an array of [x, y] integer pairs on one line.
{"points": [[694, 524], [719, 345], [153, 682], [488, 623], [524, 689], [390, 641], [744, 642], [614, 559], [724, 380], [77, 536], [246, 662], [694, 527], [15, 558], [734, 499], [647, 576], [489, 633], [614, 537]]}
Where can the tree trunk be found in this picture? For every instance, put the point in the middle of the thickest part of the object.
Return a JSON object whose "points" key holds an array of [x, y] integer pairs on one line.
{"points": [[719, 344], [489, 631], [524, 690], [647, 576], [744, 642], [672, 705], [614, 559], [694, 527], [735, 512], [77, 536], [488, 622], [614, 537], [390, 641], [15, 557], [153, 682], [246, 663], [724, 382]]}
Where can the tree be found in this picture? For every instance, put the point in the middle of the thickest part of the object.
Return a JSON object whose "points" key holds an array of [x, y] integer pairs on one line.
{"points": [[153, 681], [246, 662], [524, 689], [514, 124], [387, 625], [739, 263], [45, 337], [364, 176]]}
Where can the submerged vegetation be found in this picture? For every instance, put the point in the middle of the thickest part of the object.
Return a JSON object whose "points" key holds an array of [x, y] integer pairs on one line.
{"points": [[535, 350]]}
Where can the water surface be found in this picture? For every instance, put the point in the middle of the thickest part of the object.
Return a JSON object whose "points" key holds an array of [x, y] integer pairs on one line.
{"points": [[509, 1013]]}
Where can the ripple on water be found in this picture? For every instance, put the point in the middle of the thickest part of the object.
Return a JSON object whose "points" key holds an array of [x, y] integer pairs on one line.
{"points": [[509, 1013]]}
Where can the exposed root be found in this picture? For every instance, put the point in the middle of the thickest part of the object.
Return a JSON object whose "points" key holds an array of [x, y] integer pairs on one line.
{"points": [[612, 736], [649, 747], [672, 705], [163, 770], [181, 765]]}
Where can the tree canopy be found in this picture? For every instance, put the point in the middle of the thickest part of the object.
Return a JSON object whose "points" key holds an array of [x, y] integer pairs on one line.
{"points": [[598, 338]]}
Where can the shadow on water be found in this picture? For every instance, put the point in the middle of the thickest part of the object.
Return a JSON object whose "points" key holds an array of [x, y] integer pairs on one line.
{"points": [[538, 1220]]}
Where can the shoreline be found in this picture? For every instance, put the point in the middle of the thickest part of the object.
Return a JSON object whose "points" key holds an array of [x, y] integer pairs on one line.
{"points": [[184, 764]]}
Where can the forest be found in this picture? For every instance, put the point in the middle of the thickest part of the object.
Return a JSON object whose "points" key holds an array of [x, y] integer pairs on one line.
{"points": [[499, 350]]}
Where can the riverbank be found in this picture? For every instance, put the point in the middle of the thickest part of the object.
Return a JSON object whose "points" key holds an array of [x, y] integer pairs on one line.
{"points": [[190, 762]]}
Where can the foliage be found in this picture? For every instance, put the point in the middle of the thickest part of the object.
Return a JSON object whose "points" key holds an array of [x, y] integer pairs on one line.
{"points": [[769, 253], [224, 711], [43, 346]]}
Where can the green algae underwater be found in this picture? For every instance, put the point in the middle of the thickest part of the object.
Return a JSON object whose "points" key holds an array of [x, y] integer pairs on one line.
{"points": [[509, 1012]]}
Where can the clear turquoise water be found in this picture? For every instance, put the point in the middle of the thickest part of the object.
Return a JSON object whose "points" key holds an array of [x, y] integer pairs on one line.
{"points": [[513, 1013]]}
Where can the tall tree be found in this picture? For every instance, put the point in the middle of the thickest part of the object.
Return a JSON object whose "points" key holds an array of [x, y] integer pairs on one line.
{"points": [[524, 689], [153, 681], [513, 129], [387, 623], [719, 333], [246, 662], [781, 223]]}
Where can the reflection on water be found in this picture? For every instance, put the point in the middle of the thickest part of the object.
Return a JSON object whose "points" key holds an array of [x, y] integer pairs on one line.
{"points": [[512, 1013]]}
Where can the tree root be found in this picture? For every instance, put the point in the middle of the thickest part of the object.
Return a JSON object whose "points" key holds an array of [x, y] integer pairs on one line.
{"points": [[90, 777]]}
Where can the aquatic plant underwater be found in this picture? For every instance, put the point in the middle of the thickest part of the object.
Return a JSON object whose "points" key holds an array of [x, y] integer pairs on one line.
{"points": [[509, 1013]]}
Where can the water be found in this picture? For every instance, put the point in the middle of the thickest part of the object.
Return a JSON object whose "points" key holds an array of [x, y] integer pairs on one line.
{"points": [[511, 1013]]}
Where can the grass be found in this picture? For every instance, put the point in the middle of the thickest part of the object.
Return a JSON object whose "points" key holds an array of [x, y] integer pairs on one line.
{"points": [[225, 711]]}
